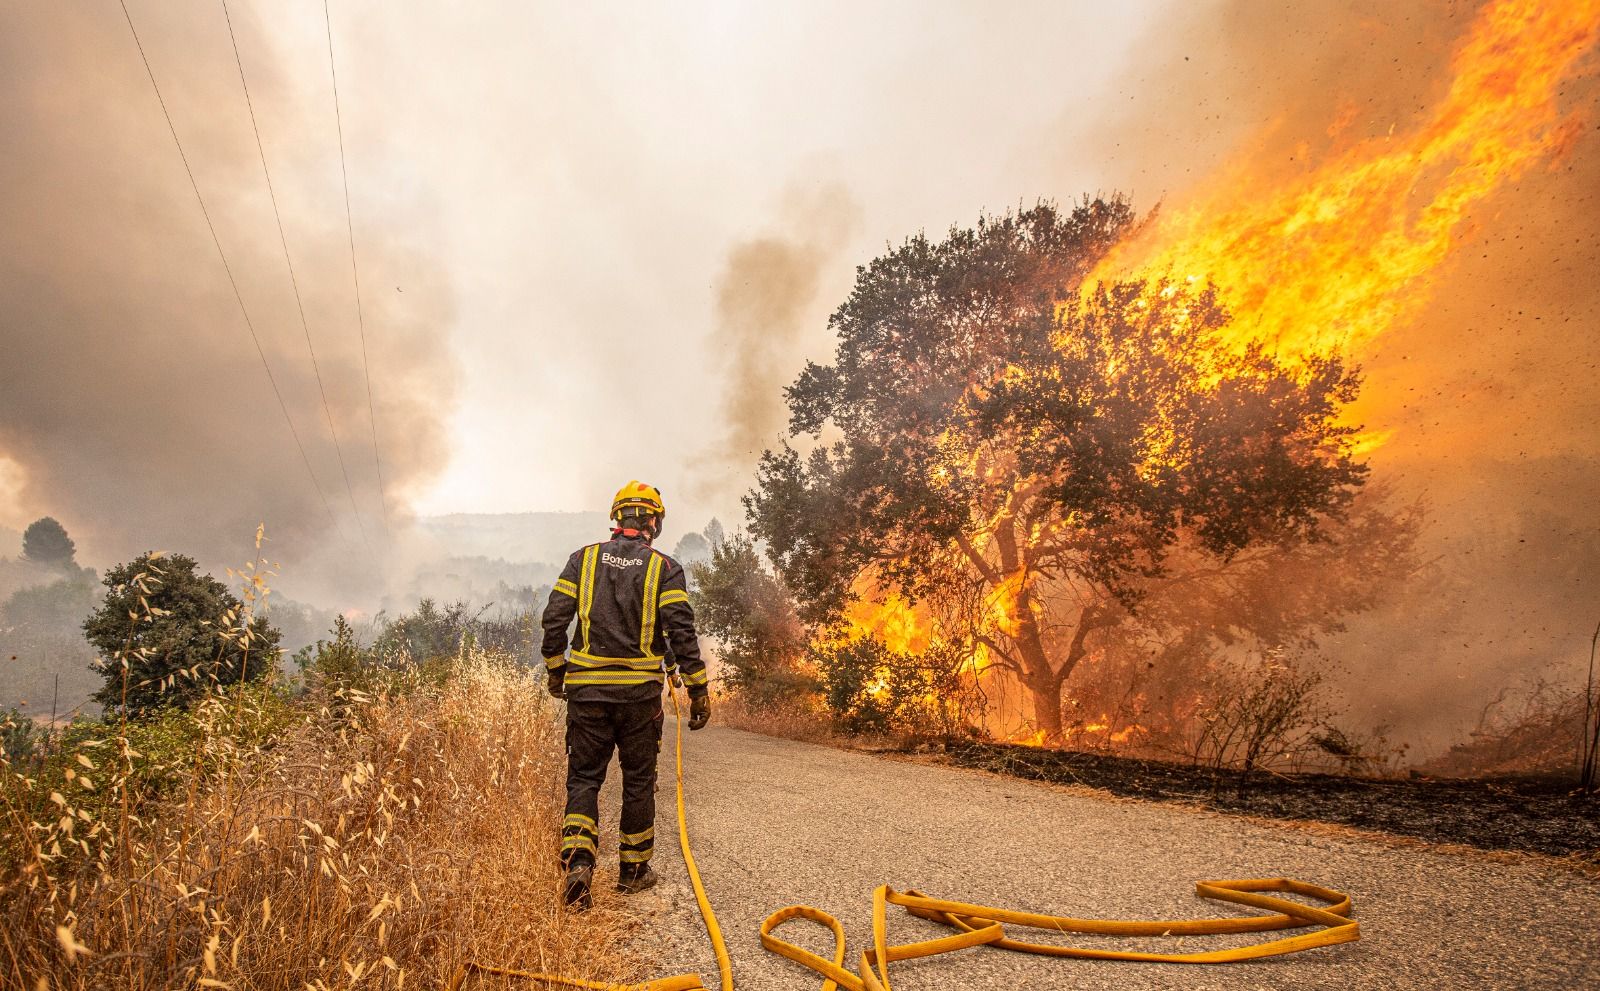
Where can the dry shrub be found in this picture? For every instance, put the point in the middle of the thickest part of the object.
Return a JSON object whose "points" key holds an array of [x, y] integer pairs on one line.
{"points": [[379, 841], [1537, 731], [1258, 715], [800, 718]]}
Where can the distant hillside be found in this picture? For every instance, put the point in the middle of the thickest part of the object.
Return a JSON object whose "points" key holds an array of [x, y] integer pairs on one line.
{"points": [[515, 537]]}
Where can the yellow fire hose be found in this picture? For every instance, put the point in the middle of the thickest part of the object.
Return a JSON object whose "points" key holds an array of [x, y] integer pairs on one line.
{"points": [[980, 925]]}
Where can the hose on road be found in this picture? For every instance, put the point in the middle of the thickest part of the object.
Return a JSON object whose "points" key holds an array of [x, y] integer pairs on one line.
{"points": [[981, 925]]}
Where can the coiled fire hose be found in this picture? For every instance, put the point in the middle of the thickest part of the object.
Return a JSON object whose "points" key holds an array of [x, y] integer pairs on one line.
{"points": [[980, 925]]}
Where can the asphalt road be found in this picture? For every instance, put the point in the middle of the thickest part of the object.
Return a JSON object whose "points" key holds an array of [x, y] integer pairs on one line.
{"points": [[774, 823]]}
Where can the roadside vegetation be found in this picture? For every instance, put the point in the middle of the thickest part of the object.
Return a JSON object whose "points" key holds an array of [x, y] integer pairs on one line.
{"points": [[377, 818]]}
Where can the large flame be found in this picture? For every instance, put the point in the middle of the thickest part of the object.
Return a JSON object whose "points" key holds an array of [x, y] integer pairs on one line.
{"points": [[888, 618], [1002, 602], [1338, 256]]}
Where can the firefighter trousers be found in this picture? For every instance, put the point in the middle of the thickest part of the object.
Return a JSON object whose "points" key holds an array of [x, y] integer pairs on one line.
{"points": [[594, 731]]}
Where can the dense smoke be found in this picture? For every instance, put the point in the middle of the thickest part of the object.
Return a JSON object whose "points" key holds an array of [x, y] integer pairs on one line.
{"points": [[135, 406], [1491, 393], [769, 305]]}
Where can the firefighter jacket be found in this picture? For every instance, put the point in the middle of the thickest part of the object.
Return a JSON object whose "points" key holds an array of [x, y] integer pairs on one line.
{"points": [[634, 625]]}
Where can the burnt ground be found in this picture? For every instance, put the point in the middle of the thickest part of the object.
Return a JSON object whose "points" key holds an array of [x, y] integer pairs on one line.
{"points": [[1537, 816]]}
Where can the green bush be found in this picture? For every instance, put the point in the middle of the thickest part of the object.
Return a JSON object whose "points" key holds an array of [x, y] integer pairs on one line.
{"points": [[433, 631], [415, 651], [21, 737], [169, 633], [871, 689]]}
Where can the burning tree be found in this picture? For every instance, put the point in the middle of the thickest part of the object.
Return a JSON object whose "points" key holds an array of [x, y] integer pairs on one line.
{"points": [[1031, 459]]}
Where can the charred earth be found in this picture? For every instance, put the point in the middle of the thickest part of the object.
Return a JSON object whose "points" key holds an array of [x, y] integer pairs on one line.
{"points": [[1520, 814]]}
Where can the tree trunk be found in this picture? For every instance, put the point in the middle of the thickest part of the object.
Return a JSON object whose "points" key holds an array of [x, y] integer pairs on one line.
{"points": [[1044, 689], [1044, 680]]}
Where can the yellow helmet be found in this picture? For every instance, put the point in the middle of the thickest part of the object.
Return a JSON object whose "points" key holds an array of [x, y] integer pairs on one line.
{"points": [[638, 494]]}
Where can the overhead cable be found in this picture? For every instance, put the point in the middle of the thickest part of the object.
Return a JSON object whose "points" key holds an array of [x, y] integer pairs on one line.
{"points": [[294, 282], [238, 297], [355, 274]]}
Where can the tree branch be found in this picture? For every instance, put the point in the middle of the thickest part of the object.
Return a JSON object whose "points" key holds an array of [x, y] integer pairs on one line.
{"points": [[984, 568], [1006, 660]]}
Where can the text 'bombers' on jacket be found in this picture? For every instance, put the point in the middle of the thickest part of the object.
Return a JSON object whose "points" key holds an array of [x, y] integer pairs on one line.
{"points": [[635, 623]]}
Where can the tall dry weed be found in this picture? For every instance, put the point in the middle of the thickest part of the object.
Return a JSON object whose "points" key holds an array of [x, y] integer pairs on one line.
{"points": [[379, 841]]}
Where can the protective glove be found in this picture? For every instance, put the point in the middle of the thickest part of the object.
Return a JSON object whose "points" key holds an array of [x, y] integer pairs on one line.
{"points": [[675, 680], [558, 683], [699, 711]]}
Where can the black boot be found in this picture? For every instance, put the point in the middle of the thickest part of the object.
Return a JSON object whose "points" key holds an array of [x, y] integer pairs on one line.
{"points": [[634, 878], [575, 886]]}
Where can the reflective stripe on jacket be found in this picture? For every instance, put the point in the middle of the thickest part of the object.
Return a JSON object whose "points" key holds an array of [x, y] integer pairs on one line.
{"points": [[634, 623]]}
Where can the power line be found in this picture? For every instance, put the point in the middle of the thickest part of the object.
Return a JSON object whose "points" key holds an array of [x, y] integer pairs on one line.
{"points": [[238, 297], [293, 281], [355, 275]]}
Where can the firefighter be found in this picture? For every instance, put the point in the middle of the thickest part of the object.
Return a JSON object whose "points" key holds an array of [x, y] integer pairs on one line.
{"points": [[635, 628]]}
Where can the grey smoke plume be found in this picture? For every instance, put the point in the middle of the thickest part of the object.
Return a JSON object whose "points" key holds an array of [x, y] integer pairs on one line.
{"points": [[770, 309], [1492, 392], [135, 408]]}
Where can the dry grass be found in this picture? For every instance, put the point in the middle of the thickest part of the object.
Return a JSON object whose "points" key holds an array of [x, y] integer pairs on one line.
{"points": [[806, 724], [789, 722], [378, 842]]}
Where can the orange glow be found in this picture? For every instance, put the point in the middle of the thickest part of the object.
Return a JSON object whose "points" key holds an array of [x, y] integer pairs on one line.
{"points": [[1332, 258], [1003, 602], [1337, 257], [1089, 734], [888, 618], [12, 482], [1033, 739], [879, 687]]}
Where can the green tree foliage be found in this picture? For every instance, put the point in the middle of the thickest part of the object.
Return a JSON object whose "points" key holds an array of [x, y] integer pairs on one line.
{"points": [[1035, 458], [761, 641], [176, 632], [46, 542]]}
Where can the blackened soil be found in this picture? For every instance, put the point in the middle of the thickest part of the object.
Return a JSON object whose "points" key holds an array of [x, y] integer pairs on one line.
{"points": [[1502, 814]]}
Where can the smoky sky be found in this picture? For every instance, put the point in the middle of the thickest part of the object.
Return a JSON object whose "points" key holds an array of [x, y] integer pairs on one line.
{"points": [[582, 262], [135, 404], [1491, 392], [766, 294], [546, 201]]}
